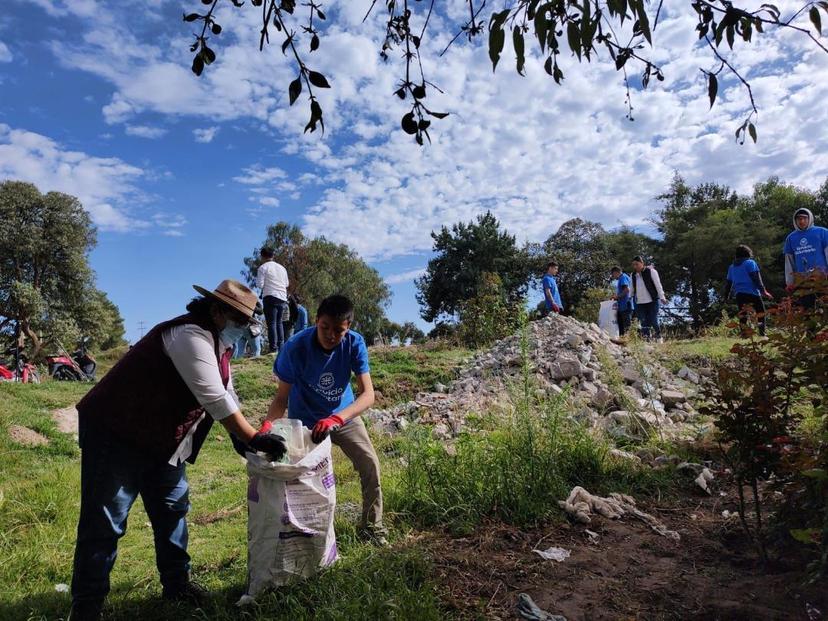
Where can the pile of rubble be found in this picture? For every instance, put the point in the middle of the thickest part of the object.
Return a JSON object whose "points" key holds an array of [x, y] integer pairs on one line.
{"points": [[628, 398]]}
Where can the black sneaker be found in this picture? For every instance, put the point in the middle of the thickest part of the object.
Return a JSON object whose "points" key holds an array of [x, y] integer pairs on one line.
{"points": [[189, 592], [87, 611]]}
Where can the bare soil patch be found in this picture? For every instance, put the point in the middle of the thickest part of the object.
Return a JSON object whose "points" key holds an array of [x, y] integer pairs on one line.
{"points": [[66, 419], [26, 437], [629, 573]]}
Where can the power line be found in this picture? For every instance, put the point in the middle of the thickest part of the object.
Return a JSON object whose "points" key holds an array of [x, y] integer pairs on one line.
{"points": [[141, 328]]}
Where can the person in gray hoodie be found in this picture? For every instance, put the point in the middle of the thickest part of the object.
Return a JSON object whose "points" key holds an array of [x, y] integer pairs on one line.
{"points": [[806, 252]]}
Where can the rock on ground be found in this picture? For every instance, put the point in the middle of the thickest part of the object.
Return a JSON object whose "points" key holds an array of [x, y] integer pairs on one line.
{"points": [[562, 356]]}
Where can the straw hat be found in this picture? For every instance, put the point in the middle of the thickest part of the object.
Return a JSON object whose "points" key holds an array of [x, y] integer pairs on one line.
{"points": [[233, 294]]}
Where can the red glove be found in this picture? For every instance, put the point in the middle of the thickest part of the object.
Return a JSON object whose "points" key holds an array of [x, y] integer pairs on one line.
{"points": [[266, 427], [325, 426], [556, 308]]}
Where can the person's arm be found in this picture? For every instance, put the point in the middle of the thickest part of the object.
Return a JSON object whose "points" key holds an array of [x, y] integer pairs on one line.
{"points": [[790, 269], [727, 289], [278, 407], [365, 399], [657, 283], [260, 277]]}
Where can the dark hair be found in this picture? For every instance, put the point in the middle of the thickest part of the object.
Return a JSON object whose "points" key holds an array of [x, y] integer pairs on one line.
{"points": [[615, 268], [551, 264], [638, 258], [337, 307], [200, 307], [743, 252], [267, 252]]}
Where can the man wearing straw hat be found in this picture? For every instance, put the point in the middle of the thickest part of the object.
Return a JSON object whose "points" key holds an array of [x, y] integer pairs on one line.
{"points": [[139, 426]]}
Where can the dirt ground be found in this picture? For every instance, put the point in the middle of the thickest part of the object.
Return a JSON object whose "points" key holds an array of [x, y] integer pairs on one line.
{"points": [[630, 572]]}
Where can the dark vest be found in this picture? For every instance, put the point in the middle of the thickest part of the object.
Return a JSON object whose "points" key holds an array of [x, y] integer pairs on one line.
{"points": [[647, 277], [144, 402]]}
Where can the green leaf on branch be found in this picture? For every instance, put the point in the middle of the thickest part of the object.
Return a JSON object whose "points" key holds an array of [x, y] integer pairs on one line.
{"points": [[497, 39], [712, 88], [573, 37], [318, 80], [816, 20], [517, 41], [752, 131], [294, 90]]}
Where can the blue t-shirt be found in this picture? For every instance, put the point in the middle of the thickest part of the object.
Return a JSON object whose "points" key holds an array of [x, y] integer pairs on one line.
{"points": [[625, 301], [739, 274], [550, 284], [301, 318], [808, 248], [320, 381]]}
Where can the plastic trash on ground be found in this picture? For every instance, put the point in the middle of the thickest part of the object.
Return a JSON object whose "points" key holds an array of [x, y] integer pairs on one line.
{"points": [[553, 554], [607, 318]]}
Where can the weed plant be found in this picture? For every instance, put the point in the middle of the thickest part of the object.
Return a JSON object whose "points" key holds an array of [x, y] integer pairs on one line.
{"points": [[515, 471]]}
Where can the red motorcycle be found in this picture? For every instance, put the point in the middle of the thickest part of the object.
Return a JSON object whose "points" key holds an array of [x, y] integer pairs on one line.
{"points": [[18, 369], [78, 367]]}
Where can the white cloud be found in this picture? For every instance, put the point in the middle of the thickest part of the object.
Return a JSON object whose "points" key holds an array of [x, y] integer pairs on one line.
{"points": [[533, 152], [145, 131], [205, 135], [103, 185], [5, 53], [396, 279], [259, 175]]}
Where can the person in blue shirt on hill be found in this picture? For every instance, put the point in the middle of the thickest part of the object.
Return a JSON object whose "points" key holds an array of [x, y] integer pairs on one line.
{"points": [[623, 297], [745, 280], [551, 294], [301, 321], [314, 370], [806, 253]]}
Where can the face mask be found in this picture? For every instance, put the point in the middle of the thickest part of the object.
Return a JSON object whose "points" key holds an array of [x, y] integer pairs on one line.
{"points": [[232, 332]]}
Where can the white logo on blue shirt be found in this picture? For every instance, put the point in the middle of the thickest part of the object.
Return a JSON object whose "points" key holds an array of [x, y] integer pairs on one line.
{"points": [[326, 380]]}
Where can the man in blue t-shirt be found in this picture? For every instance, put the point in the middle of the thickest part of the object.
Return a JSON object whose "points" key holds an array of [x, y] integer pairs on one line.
{"points": [[551, 294], [806, 252], [623, 297], [314, 370], [745, 280]]}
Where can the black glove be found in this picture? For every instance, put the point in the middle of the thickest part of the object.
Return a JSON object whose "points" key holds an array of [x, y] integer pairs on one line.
{"points": [[240, 447], [270, 444]]}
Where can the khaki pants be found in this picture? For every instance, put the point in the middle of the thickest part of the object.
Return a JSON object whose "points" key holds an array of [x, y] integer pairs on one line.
{"points": [[354, 441]]}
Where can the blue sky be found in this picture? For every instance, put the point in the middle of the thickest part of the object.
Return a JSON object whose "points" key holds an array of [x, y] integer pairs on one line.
{"points": [[183, 174]]}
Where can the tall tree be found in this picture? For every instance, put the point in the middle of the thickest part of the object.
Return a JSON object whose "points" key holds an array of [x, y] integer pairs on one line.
{"points": [[580, 249], [700, 227], [318, 268], [463, 254], [47, 288]]}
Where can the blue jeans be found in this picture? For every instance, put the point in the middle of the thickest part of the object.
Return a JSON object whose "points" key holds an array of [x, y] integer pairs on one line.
{"points": [[245, 342], [274, 311], [647, 315], [112, 477]]}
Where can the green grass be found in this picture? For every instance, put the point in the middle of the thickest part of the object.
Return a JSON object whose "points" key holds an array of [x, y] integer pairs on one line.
{"points": [[399, 373], [513, 469], [677, 353]]}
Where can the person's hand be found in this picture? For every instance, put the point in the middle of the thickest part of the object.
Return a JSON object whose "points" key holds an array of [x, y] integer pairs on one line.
{"points": [[663, 300], [266, 426], [556, 308], [790, 288], [324, 427], [767, 294], [240, 447], [270, 444]]}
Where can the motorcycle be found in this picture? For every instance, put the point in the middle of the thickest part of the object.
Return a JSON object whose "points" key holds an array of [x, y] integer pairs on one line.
{"points": [[78, 366], [19, 369]]}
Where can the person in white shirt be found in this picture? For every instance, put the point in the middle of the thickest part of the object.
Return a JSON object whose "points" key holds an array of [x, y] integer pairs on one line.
{"points": [[139, 425], [272, 281], [648, 293]]}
